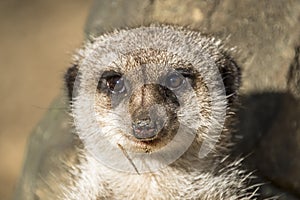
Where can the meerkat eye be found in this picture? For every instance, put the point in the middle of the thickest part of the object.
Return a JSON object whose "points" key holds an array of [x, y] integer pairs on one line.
{"points": [[112, 81], [116, 84], [174, 81]]}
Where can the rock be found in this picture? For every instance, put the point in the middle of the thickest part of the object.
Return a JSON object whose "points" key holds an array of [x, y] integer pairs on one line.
{"points": [[278, 152]]}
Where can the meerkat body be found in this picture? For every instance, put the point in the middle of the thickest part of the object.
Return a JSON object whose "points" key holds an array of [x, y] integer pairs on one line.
{"points": [[174, 182], [152, 107]]}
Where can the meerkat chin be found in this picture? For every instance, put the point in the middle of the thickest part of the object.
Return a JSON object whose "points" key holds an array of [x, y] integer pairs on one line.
{"points": [[146, 102]]}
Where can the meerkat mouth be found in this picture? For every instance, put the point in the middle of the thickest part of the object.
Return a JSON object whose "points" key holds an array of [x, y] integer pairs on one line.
{"points": [[148, 127], [153, 135], [145, 130]]}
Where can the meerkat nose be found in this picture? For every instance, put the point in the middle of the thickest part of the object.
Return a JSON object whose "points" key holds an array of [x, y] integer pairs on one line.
{"points": [[144, 129]]}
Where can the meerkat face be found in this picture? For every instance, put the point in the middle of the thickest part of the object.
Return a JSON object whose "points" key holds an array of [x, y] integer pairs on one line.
{"points": [[149, 93]]}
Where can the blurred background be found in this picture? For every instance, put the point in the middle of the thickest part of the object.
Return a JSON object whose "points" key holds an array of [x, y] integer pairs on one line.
{"points": [[37, 39]]}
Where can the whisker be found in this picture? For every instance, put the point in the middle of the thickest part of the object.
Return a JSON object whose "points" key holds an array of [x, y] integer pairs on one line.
{"points": [[129, 159]]}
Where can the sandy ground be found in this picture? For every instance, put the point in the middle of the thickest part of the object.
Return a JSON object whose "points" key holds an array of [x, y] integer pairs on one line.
{"points": [[37, 39]]}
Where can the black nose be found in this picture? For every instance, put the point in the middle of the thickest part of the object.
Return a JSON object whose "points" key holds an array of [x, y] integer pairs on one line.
{"points": [[144, 129]]}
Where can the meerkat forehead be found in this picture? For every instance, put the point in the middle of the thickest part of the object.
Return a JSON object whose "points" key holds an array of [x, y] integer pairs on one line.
{"points": [[154, 44]]}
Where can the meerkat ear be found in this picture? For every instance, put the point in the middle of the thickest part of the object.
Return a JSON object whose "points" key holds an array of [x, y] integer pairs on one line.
{"points": [[231, 75], [70, 78]]}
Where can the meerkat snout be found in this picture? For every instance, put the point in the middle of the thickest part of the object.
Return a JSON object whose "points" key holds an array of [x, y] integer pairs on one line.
{"points": [[151, 110]]}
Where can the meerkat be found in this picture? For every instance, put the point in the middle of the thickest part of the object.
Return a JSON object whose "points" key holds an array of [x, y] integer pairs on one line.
{"points": [[153, 109]]}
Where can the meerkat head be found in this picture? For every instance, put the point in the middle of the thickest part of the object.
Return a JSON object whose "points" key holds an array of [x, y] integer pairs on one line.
{"points": [[149, 93]]}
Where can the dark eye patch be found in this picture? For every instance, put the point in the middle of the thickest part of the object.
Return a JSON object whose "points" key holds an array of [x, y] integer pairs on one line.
{"points": [[110, 73], [186, 72], [174, 81], [111, 82]]}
